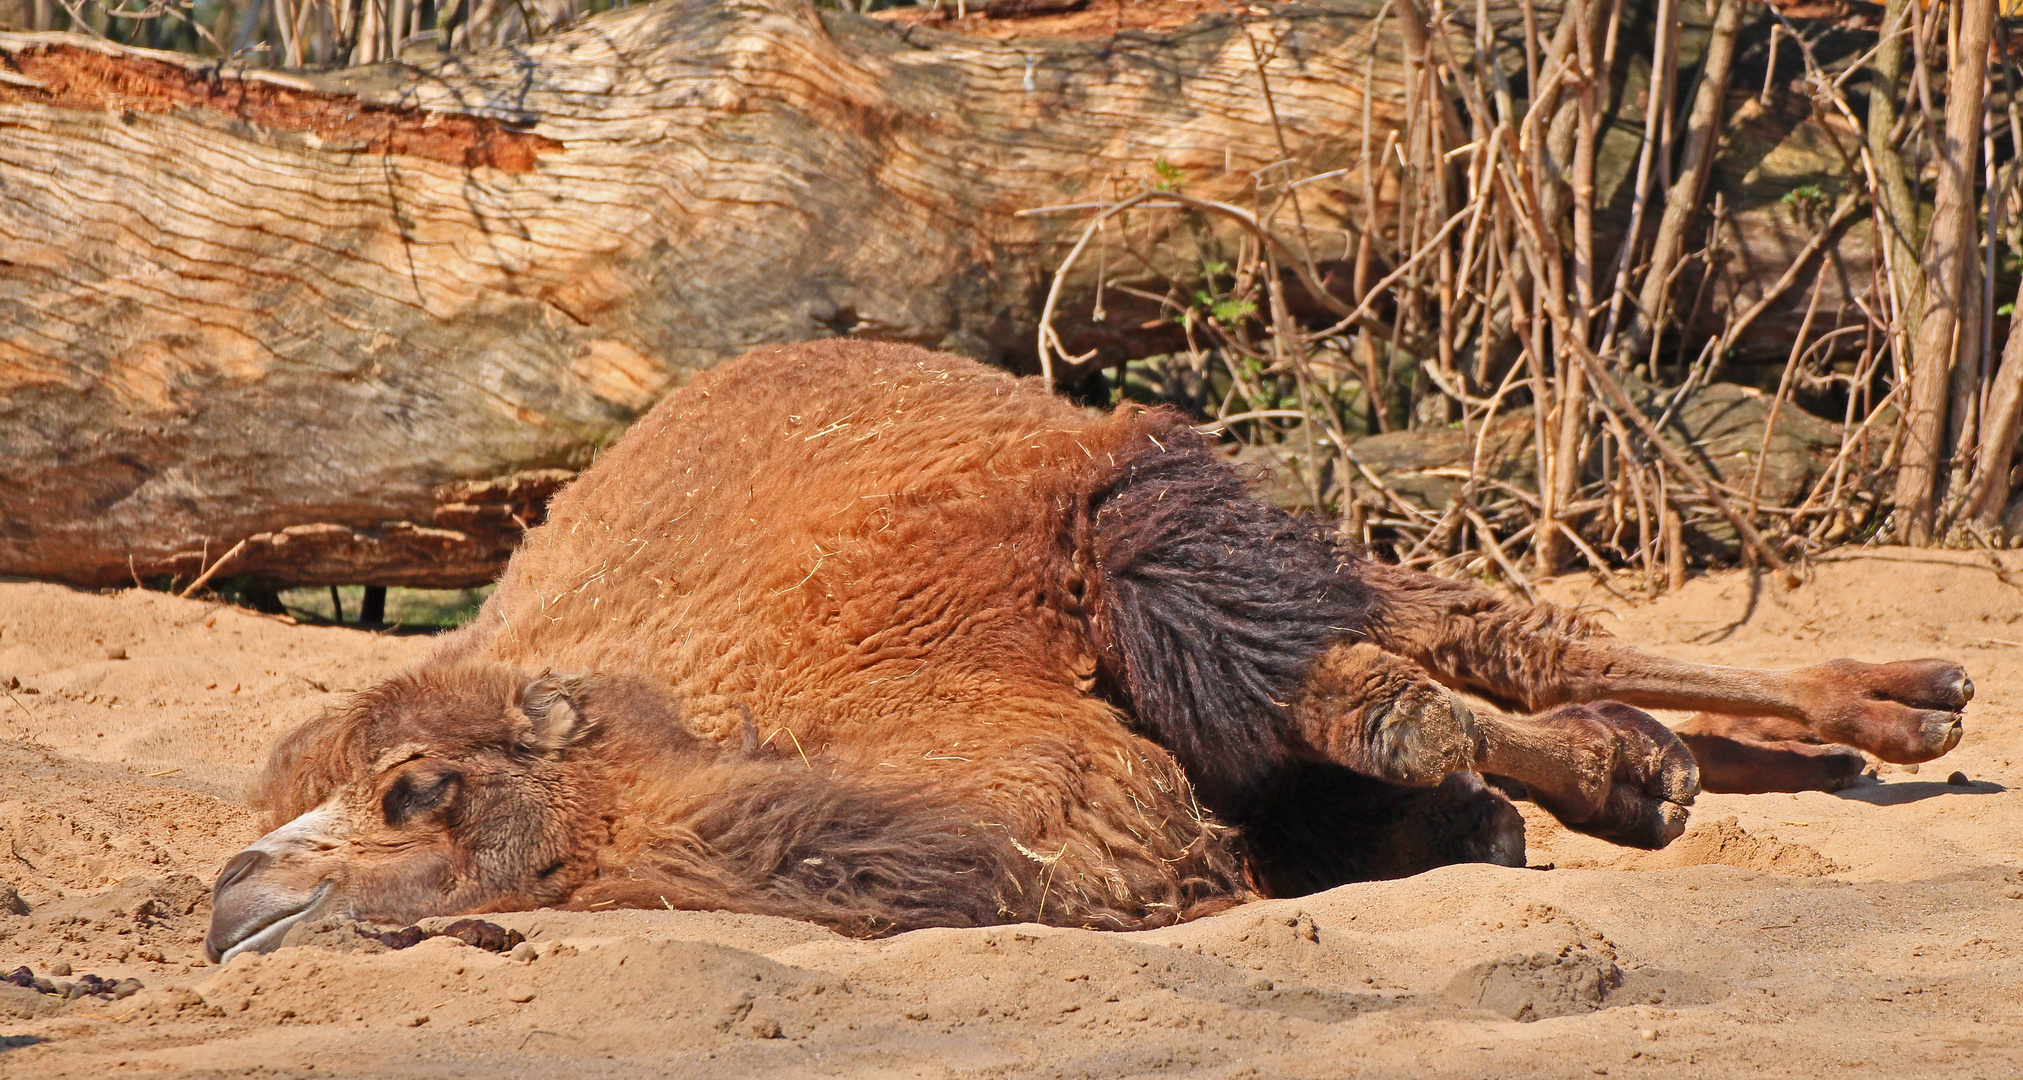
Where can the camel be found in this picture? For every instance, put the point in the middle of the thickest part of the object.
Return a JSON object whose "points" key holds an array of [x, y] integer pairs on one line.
{"points": [[881, 638]]}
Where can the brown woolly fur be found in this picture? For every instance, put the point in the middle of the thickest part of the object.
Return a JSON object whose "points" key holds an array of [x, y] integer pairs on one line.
{"points": [[882, 638], [870, 548], [1214, 606], [1516, 657]]}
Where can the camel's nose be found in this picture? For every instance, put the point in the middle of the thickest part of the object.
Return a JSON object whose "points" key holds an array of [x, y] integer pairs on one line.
{"points": [[249, 861], [272, 885]]}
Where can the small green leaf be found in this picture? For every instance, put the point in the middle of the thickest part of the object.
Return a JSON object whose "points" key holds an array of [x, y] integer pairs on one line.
{"points": [[1229, 311], [2006, 309], [1170, 175], [1807, 194]]}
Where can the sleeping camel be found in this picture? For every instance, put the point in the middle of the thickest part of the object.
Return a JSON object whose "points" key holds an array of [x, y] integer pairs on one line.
{"points": [[881, 638]]}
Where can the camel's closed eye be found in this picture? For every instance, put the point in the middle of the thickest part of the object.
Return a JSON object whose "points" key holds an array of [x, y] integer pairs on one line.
{"points": [[415, 794]]}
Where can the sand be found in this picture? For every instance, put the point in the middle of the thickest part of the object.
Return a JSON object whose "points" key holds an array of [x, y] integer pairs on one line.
{"points": [[1877, 931]]}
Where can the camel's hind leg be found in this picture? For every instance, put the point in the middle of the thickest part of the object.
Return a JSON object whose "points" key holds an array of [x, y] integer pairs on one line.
{"points": [[1541, 656], [1604, 768], [1750, 755]]}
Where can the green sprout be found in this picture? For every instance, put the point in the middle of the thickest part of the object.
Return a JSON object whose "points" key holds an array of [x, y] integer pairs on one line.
{"points": [[1226, 310], [1229, 311], [1806, 197]]}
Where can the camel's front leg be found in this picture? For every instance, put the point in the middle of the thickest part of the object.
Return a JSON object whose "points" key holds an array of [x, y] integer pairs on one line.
{"points": [[1540, 656], [1605, 769]]}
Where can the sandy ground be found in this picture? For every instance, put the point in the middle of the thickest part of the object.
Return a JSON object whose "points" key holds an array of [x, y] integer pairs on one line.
{"points": [[1874, 932]]}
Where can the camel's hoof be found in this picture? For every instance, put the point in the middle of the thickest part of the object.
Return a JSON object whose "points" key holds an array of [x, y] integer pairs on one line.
{"points": [[1924, 684], [1641, 778], [1904, 712], [1639, 821]]}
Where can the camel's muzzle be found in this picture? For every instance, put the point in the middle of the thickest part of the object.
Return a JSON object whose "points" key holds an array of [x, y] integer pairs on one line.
{"points": [[272, 885]]}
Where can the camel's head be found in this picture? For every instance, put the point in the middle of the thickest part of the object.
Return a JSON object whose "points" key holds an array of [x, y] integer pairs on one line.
{"points": [[452, 790]]}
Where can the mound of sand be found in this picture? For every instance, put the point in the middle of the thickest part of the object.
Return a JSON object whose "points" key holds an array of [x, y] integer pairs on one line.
{"points": [[1874, 930]]}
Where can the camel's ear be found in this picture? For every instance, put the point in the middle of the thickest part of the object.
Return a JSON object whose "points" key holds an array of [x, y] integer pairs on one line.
{"points": [[551, 705]]}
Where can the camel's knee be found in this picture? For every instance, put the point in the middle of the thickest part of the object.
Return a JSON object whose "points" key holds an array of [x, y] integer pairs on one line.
{"points": [[1384, 716]]}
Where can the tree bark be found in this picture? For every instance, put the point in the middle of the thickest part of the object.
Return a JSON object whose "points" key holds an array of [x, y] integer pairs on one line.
{"points": [[1989, 493], [1579, 114], [1951, 263], [1896, 211], [316, 314], [1682, 202]]}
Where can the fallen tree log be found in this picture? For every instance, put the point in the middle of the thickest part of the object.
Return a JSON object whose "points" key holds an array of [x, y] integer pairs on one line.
{"points": [[240, 302], [311, 313]]}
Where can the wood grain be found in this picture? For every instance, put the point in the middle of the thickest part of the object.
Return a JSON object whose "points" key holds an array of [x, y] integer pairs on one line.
{"points": [[239, 303]]}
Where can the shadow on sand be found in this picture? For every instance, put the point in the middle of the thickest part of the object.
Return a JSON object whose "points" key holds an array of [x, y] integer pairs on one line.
{"points": [[1897, 794]]}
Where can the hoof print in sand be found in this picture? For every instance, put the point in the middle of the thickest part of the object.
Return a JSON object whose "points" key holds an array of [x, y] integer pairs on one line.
{"points": [[1570, 982], [1539, 985], [476, 933]]}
